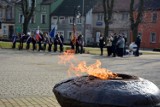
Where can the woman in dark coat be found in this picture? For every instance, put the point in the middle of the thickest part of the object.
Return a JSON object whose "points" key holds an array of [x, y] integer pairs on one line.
{"points": [[101, 43], [138, 43]]}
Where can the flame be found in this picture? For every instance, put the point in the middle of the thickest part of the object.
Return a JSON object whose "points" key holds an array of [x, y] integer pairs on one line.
{"points": [[93, 70], [67, 56]]}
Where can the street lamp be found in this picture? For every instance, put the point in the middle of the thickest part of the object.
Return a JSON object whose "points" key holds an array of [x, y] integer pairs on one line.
{"points": [[76, 14]]}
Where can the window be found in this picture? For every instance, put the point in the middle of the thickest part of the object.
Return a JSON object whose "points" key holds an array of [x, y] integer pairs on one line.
{"points": [[62, 19], [43, 19], [70, 20], [100, 17], [97, 36], [4, 30], [9, 13], [21, 18], [124, 16], [32, 20], [79, 21], [154, 17], [69, 35], [153, 37], [78, 33], [30, 3], [60, 32], [54, 19], [43, 8]]}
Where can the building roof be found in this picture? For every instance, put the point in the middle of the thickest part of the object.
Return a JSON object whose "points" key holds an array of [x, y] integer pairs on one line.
{"points": [[68, 6], [119, 5], [124, 5], [152, 4]]}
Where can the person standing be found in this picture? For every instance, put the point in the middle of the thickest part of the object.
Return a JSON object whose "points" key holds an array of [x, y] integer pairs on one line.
{"points": [[114, 46], [73, 41], [138, 43], [101, 43], [77, 44], [125, 45], [56, 41], [61, 40], [44, 41], [22, 37], [49, 40], [28, 41], [109, 45], [33, 42], [81, 43], [14, 40], [120, 44], [40, 41]]}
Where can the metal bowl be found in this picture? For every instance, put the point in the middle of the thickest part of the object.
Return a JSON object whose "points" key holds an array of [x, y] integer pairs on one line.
{"points": [[124, 91]]}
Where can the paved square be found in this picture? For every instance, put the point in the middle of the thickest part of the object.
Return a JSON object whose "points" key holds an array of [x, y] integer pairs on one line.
{"points": [[27, 78]]}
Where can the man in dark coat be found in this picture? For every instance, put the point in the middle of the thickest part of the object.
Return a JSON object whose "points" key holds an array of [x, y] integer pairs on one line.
{"points": [[101, 43], [138, 43], [28, 41], [56, 41], [33, 42], [114, 46], [50, 41], [81, 43], [14, 40], [22, 37], [77, 44]]}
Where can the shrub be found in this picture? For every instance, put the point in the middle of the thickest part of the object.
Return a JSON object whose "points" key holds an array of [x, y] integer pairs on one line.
{"points": [[156, 49]]}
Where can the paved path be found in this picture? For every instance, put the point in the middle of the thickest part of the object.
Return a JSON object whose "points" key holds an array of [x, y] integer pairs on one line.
{"points": [[27, 78]]}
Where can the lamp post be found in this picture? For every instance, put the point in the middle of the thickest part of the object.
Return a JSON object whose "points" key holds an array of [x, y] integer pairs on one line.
{"points": [[76, 14], [83, 20]]}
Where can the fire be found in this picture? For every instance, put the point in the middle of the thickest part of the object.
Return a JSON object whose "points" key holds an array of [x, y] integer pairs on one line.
{"points": [[93, 70], [67, 56]]}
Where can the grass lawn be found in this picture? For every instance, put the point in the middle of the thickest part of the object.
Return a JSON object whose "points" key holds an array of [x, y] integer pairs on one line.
{"points": [[89, 50]]}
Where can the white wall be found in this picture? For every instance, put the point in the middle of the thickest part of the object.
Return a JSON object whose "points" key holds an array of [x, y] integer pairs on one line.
{"points": [[117, 22], [88, 27]]}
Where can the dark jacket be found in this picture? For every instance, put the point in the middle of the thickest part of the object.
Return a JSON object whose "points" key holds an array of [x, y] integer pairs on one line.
{"points": [[138, 41], [101, 41]]}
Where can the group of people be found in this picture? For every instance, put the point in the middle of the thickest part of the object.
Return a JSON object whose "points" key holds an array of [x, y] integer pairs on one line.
{"points": [[39, 41], [116, 45]]}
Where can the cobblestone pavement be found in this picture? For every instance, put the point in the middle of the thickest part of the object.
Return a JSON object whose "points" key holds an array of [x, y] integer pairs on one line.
{"points": [[27, 78], [29, 102]]}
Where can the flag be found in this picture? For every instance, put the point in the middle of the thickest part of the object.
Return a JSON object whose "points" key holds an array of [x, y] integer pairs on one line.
{"points": [[38, 36], [73, 38], [52, 33]]}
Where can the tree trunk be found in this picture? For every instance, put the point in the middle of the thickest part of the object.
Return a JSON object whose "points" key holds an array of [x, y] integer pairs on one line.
{"points": [[108, 9], [106, 30], [135, 20], [27, 13], [135, 33], [25, 27]]}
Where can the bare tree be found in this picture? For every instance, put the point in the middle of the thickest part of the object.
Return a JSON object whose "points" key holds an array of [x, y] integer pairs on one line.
{"points": [[108, 10], [27, 12], [136, 19]]}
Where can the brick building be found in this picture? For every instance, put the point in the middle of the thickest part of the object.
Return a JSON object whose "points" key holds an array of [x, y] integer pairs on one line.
{"points": [[149, 29]]}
